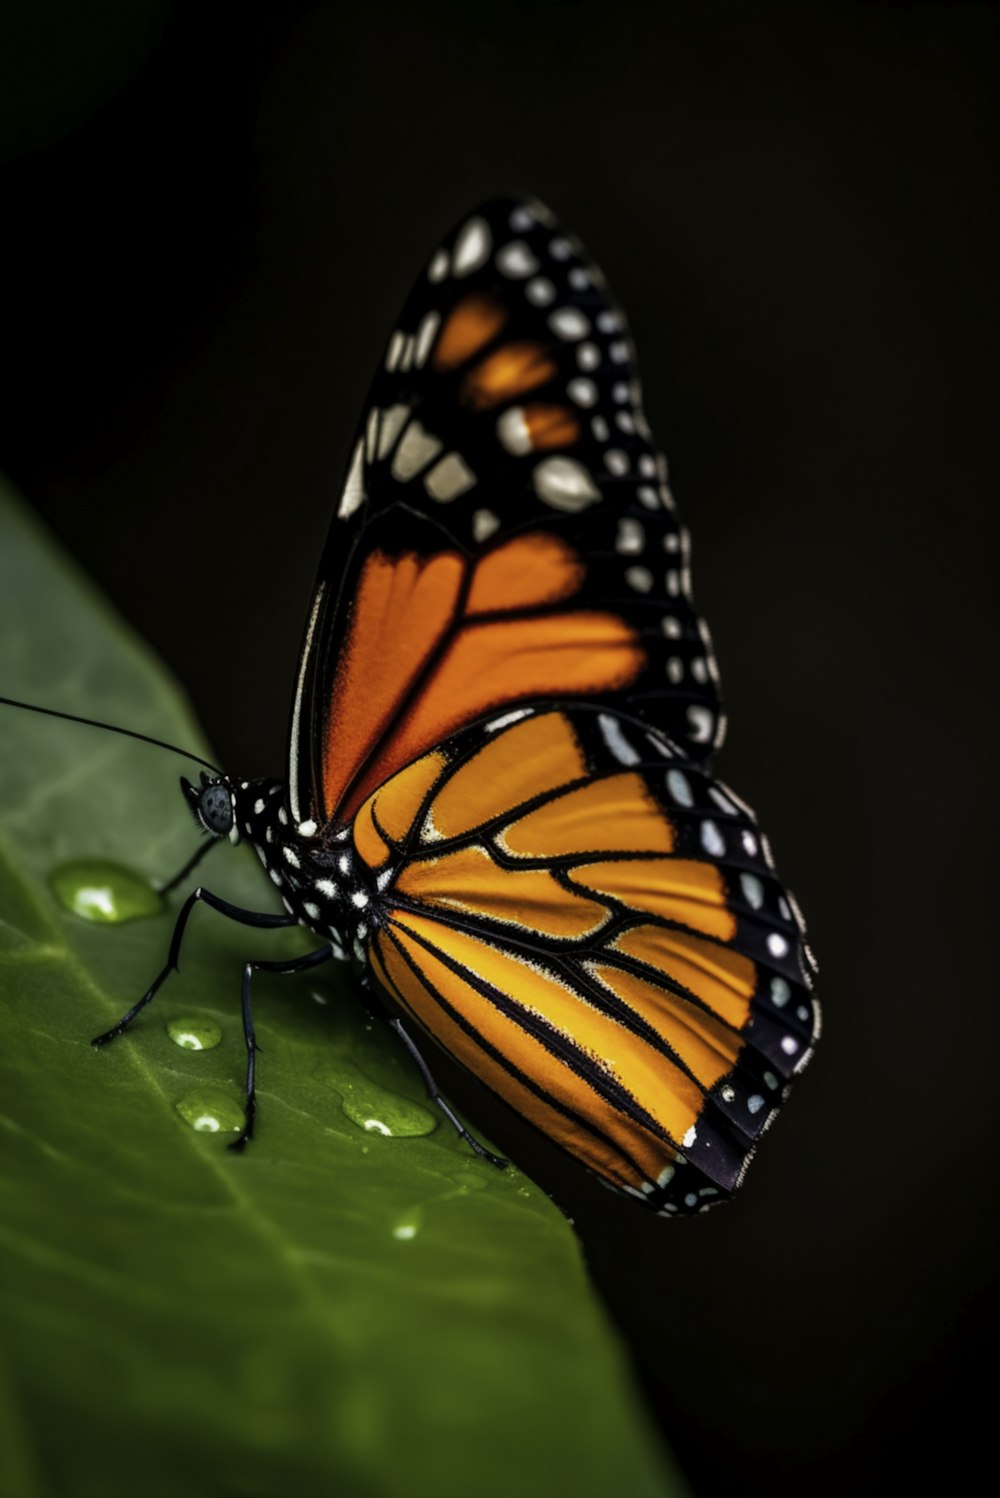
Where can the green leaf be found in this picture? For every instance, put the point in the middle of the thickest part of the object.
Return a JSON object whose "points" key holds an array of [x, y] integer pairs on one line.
{"points": [[338, 1310]]}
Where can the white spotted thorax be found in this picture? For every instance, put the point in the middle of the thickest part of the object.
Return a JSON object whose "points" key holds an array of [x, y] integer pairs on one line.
{"points": [[321, 881]]}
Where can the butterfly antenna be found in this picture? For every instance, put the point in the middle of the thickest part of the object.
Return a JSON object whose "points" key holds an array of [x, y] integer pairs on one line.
{"points": [[129, 733]]}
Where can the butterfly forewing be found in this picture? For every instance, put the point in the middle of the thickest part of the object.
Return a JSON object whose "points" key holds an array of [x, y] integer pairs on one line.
{"points": [[506, 533]]}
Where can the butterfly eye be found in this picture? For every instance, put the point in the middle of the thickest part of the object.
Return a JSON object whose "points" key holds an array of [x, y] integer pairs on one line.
{"points": [[212, 805], [215, 807]]}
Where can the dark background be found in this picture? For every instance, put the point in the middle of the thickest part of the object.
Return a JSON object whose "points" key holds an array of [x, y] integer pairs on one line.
{"points": [[211, 217]]}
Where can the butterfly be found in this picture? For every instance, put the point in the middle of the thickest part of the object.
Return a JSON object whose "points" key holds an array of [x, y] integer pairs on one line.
{"points": [[499, 801]]}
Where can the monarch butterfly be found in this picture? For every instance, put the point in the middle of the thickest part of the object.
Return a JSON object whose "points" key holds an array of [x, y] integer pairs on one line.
{"points": [[498, 799]]}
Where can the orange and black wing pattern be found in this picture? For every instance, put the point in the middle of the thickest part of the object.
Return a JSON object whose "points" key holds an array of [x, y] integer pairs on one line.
{"points": [[574, 910], [506, 535], [508, 703]]}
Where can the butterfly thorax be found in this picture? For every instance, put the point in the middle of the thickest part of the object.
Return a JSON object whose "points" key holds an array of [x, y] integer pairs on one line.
{"points": [[321, 880]]}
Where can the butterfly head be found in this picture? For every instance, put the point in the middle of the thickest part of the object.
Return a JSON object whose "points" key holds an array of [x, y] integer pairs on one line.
{"points": [[213, 802]]}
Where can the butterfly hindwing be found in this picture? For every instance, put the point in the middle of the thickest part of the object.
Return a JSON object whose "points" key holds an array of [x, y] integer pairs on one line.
{"points": [[588, 921], [506, 533]]}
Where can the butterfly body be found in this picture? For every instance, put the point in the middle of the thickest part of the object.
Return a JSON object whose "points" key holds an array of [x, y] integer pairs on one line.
{"points": [[499, 800]]}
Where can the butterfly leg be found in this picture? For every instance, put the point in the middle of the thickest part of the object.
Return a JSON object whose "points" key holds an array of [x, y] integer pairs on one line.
{"points": [[435, 1095], [192, 863], [293, 965], [198, 896]]}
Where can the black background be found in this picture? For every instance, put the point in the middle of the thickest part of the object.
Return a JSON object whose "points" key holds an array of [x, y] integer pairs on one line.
{"points": [[211, 217]]}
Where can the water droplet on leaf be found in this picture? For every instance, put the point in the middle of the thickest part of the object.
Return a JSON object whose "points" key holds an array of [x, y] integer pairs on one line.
{"points": [[375, 1108], [194, 1034], [408, 1225], [210, 1111], [98, 890]]}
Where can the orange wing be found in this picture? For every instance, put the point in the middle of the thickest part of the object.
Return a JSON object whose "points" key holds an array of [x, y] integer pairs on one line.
{"points": [[505, 534], [590, 924], [436, 641]]}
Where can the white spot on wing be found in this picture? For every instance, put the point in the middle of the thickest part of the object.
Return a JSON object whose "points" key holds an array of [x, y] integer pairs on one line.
{"points": [[631, 537], [426, 334], [416, 449], [611, 731], [712, 840], [484, 523], [680, 788], [721, 801], [540, 291], [565, 485], [354, 495], [569, 323], [371, 433], [472, 247], [516, 260], [639, 578], [583, 392], [512, 429], [701, 724], [391, 424], [438, 268], [449, 479]]}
